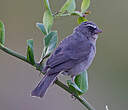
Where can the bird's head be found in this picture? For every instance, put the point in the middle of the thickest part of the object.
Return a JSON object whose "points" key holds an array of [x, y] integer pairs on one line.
{"points": [[89, 29]]}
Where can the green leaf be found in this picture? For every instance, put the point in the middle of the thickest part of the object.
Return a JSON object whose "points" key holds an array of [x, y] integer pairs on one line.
{"points": [[85, 5], [81, 81], [69, 6], [30, 53], [48, 20], [73, 87], [77, 13], [41, 27], [2, 33], [80, 86], [81, 19], [48, 17], [46, 4], [50, 42]]}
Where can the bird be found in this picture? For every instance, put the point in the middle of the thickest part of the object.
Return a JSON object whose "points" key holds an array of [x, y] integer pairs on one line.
{"points": [[73, 55]]}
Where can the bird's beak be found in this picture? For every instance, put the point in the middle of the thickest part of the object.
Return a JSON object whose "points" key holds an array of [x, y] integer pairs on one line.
{"points": [[97, 31]]}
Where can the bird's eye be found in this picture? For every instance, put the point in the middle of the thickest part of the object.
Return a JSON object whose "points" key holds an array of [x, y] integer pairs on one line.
{"points": [[91, 29]]}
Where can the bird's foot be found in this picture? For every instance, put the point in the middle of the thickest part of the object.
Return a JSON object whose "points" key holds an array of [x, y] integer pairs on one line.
{"points": [[73, 78]]}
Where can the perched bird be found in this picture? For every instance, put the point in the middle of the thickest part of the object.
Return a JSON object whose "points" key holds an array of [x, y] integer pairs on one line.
{"points": [[73, 55]]}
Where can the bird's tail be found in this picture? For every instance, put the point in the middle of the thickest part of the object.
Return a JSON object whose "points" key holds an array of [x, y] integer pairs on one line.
{"points": [[41, 88]]}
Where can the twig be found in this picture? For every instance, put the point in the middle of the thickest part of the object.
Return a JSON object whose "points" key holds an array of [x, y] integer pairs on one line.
{"points": [[80, 98], [13, 53], [59, 83]]}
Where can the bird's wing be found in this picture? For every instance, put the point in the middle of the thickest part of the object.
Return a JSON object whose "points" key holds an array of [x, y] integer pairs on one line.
{"points": [[81, 50], [69, 56], [58, 57]]}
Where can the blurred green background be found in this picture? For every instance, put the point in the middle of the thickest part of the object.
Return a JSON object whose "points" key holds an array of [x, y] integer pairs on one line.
{"points": [[107, 75]]}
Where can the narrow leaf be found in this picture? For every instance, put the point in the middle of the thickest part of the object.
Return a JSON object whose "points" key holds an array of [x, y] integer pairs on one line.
{"points": [[77, 13], [47, 20], [81, 19], [48, 17], [80, 86], [46, 4], [85, 5], [50, 42], [42, 28], [69, 6], [2, 33], [30, 53], [81, 81], [73, 87]]}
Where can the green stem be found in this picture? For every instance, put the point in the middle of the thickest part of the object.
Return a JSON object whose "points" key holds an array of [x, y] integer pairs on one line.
{"points": [[80, 98], [59, 83], [13, 53]]}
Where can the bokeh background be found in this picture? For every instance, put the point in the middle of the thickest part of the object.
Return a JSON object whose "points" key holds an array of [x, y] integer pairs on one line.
{"points": [[108, 75]]}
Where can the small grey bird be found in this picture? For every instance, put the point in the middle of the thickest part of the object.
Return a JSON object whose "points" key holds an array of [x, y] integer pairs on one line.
{"points": [[73, 55]]}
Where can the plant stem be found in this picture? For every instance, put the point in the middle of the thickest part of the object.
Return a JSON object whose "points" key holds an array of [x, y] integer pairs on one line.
{"points": [[13, 53], [80, 98], [59, 83]]}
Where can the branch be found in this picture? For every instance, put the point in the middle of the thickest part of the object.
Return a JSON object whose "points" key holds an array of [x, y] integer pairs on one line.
{"points": [[13, 53], [59, 83], [80, 98]]}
